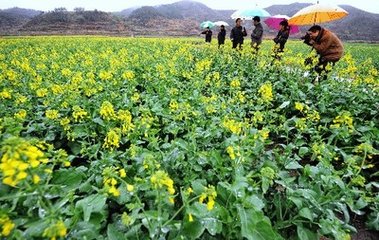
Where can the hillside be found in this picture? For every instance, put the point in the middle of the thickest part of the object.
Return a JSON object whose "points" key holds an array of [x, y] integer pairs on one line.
{"points": [[14, 18], [177, 19], [358, 25], [77, 22]]}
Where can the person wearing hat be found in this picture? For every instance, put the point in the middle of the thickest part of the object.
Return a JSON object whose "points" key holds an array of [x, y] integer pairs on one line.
{"points": [[328, 46], [208, 35], [237, 34], [257, 34], [221, 36]]}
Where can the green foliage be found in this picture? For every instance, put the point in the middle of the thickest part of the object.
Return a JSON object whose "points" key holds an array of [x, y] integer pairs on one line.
{"points": [[114, 138]]}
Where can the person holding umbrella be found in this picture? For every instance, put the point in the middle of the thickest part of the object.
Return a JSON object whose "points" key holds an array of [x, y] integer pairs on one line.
{"points": [[221, 36], [208, 35], [257, 34], [237, 34], [281, 38], [328, 46]]}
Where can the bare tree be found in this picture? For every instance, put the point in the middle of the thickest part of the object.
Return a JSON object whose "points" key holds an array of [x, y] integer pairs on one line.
{"points": [[79, 9], [60, 9]]}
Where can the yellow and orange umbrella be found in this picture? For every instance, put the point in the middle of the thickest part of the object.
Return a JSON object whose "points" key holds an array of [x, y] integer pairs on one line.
{"points": [[317, 13]]}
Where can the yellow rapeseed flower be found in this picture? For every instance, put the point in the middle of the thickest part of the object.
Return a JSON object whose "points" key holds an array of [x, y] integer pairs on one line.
{"points": [[20, 114], [107, 111], [58, 229], [20, 99], [344, 119], [78, 113], [230, 151], [299, 106], [126, 219], [36, 179], [235, 83], [266, 92], [258, 117], [174, 105], [112, 140], [135, 98], [232, 125], [65, 123], [52, 114], [17, 159], [264, 133], [6, 94], [301, 124], [210, 194], [313, 115], [114, 191], [122, 173], [104, 75], [160, 179], [128, 75], [6, 226], [125, 117], [42, 92], [189, 190], [129, 187]]}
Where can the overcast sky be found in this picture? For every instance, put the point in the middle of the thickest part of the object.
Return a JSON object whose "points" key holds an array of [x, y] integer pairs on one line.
{"points": [[117, 5]]}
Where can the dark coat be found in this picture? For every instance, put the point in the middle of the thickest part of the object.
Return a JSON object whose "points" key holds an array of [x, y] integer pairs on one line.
{"points": [[237, 34], [221, 37], [208, 35], [281, 38], [328, 46], [257, 35]]}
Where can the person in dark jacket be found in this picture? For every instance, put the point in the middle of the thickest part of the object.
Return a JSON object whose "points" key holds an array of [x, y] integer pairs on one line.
{"points": [[257, 34], [237, 34], [208, 35], [281, 38], [328, 46], [221, 36]]}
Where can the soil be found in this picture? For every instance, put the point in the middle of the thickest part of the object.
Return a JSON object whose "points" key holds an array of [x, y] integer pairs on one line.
{"points": [[362, 233]]}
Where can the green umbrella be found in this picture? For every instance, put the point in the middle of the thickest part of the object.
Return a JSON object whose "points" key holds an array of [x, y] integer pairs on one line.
{"points": [[207, 24]]}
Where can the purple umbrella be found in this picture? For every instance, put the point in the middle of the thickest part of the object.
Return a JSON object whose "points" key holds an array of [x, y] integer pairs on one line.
{"points": [[273, 23]]}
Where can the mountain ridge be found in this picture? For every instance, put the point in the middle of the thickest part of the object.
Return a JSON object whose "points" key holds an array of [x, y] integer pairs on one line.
{"points": [[176, 19]]}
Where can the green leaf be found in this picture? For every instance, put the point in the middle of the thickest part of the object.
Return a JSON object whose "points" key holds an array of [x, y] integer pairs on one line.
{"points": [[297, 201], [50, 136], [90, 204], [255, 226], [36, 228], [113, 233], [197, 186], [213, 225], [193, 230], [265, 184], [305, 234], [306, 213], [68, 179], [254, 202], [285, 104], [303, 151], [85, 230], [373, 221], [99, 121], [293, 165], [134, 231], [264, 231], [75, 147]]}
